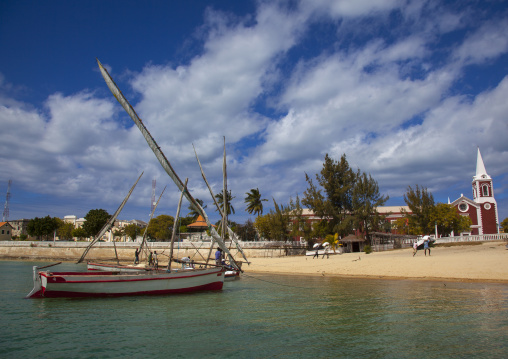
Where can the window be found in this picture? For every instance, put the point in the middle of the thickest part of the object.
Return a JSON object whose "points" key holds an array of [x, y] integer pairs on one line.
{"points": [[2, 231], [485, 190], [463, 207]]}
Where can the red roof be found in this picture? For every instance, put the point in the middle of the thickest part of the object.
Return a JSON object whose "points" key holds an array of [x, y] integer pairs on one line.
{"points": [[200, 223]]}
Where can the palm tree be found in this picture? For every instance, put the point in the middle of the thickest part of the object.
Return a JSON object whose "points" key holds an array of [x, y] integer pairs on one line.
{"points": [[219, 197], [254, 201], [193, 213]]}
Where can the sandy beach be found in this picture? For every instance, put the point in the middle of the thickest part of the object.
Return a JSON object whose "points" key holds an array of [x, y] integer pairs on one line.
{"points": [[487, 261]]}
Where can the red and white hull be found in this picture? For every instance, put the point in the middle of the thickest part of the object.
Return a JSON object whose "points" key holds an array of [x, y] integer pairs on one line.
{"points": [[231, 275], [99, 283]]}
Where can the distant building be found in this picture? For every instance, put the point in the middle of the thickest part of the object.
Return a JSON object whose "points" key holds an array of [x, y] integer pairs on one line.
{"points": [[19, 227], [117, 225], [391, 213], [482, 209], [5, 231]]}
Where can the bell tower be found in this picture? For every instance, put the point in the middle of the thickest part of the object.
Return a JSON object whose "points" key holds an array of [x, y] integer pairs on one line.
{"points": [[483, 195]]}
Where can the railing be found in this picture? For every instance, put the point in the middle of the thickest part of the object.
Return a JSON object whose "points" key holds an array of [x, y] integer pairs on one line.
{"points": [[476, 238]]}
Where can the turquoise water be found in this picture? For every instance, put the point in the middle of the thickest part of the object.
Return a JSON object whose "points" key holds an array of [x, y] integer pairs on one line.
{"points": [[260, 316]]}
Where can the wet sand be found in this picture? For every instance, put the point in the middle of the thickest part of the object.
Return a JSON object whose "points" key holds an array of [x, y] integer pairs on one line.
{"points": [[487, 261]]}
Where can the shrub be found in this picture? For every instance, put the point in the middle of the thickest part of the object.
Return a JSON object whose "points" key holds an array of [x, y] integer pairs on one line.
{"points": [[367, 249]]}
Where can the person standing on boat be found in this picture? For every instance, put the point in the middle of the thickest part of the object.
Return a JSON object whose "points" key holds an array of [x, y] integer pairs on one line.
{"points": [[155, 260], [218, 256], [136, 256]]}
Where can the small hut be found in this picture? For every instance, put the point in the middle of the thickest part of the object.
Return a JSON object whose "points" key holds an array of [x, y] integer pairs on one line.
{"points": [[198, 226], [352, 243]]}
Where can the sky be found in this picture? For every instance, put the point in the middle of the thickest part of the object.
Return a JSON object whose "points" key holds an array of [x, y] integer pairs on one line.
{"points": [[407, 90]]}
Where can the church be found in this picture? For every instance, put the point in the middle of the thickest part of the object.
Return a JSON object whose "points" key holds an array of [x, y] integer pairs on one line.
{"points": [[482, 209]]}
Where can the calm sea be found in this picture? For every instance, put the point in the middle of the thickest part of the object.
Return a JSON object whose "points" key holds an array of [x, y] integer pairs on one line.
{"points": [[260, 316]]}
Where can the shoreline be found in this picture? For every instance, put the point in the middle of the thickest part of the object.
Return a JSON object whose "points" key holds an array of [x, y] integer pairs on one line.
{"points": [[482, 262], [485, 262]]}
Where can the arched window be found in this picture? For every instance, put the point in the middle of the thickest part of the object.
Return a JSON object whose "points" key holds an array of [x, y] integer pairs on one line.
{"points": [[485, 190]]}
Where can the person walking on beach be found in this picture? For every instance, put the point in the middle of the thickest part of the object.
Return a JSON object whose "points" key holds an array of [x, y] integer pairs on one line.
{"points": [[326, 253], [316, 255], [136, 256], [415, 247], [426, 247]]}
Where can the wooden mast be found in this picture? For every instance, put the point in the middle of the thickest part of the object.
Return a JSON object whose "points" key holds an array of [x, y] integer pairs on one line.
{"points": [[110, 222], [175, 224]]}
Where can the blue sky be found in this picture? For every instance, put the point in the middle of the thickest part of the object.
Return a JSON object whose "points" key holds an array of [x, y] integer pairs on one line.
{"points": [[408, 90]]}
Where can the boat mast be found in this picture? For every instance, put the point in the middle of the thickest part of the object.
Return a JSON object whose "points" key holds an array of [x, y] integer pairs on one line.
{"points": [[173, 235], [145, 233], [231, 234], [110, 222], [161, 157], [225, 207]]}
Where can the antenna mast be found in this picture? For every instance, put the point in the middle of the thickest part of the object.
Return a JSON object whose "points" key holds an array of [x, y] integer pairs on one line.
{"points": [[7, 198]]}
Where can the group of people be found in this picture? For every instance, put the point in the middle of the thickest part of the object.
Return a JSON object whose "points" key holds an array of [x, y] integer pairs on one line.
{"points": [[154, 261], [425, 247], [325, 253], [152, 258]]}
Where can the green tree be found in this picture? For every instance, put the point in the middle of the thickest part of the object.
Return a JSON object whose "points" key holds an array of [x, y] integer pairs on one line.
{"points": [[246, 231], [220, 201], [79, 233], [193, 214], [262, 225], [504, 225], [64, 231], [132, 231], [421, 204], [448, 219], [254, 202], [401, 225], [332, 197], [160, 228], [298, 225], [365, 200], [95, 219], [281, 222], [42, 227]]}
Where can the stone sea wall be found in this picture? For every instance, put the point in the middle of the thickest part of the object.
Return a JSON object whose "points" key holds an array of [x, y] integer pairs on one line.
{"points": [[102, 251]]}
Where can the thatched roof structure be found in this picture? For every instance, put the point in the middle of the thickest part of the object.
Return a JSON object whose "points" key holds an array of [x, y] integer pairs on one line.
{"points": [[352, 238], [200, 223]]}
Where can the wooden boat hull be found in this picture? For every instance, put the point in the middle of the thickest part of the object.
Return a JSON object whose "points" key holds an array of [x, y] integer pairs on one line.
{"points": [[231, 275], [100, 284]]}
